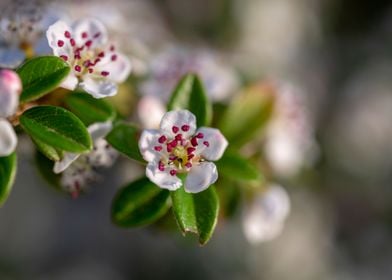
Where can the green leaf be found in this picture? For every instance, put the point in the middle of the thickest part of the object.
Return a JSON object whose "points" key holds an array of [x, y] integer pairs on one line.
{"points": [[190, 94], [196, 213], [45, 168], [248, 113], [48, 150], [56, 127], [8, 166], [41, 75], [140, 203], [234, 166], [89, 109], [124, 138]]}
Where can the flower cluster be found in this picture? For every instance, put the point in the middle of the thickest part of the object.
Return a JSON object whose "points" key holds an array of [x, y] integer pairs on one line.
{"points": [[177, 147], [96, 65], [10, 88], [78, 170]]}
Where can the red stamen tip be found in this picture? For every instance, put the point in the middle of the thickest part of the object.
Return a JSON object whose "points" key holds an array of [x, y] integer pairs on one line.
{"points": [[175, 129], [158, 148], [200, 135], [67, 34], [206, 143], [188, 165], [78, 68], [162, 139], [64, 57], [84, 35], [104, 73], [173, 172], [185, 127], [60, 43]]}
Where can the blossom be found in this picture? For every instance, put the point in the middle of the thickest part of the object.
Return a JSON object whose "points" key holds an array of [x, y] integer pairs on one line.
{"points": [[22, 25], [290, 142], [78, 170], [177, 147], [263, 219], [96, 65], [10, 88]]}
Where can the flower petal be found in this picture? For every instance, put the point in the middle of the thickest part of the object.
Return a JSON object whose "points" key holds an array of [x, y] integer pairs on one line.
{"points": [[162, 178], [150, 111], [98, 88], [56, 33], [70, 82], [11, 57], [8, 139], [147, 141], [178, 119], [118, 70], [90, 29], [213, 144], [99, 130], [10, 88], [201, 177], [66, 161]]}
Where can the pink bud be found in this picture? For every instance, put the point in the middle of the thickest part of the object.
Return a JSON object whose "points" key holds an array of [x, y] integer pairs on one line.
{"points": [[10, 89]]}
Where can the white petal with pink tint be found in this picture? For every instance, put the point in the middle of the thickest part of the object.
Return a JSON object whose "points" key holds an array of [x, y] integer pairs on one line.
{"points": [[119, 67], [201, 177], [147, 142], [213, 144], [10, 89], [98, 88], [65, 162], [178, 120], [162, 178], [87, 29], [8, 139], [56, 33], [150, 111], [70, 82], [99, 130]]}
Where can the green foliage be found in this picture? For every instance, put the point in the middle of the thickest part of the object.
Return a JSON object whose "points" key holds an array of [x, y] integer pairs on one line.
{"points": [[47, 150], [41, 75], [8, 167], [89, 109], [248, 113], [56, 127], [235, 166], [190, 94], [196, 213], [45, 168], [124, 138], [140, 203]]}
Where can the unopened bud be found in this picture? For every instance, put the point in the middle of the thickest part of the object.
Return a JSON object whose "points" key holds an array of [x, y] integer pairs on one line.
{"points": [[10, 89]]}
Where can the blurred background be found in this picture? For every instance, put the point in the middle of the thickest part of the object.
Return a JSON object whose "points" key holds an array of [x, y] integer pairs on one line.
{"points": [[337, 53]]}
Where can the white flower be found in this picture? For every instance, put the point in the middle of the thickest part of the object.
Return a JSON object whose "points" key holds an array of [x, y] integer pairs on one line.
{"points": [[22, 26], [96, 66], [168, 66], [78, 170], [178, 148], [264, 218], [10, 88], [290, 143]]}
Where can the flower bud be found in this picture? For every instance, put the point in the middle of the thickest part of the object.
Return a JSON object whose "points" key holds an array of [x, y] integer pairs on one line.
{"points": [[8, 138], [10, 89]]}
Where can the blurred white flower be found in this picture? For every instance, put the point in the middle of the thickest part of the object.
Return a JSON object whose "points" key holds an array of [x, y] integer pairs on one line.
{"points": [[22, 27], [168, 66], [10, 88], [150, 111], [78, 170], [178, 148], [290, 143], [96, 66], [263, 219]]}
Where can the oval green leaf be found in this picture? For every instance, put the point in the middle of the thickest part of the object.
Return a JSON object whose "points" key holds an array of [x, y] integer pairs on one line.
{"points": [[41, 75], [139, 204], [89, 109], [196, 213], [190, 94], [236, 167], [8, 166], [247, 114], [50, 152], [57, 128], [124, 138]]}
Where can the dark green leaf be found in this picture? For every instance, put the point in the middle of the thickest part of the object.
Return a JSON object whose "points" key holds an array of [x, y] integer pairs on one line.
{"points": [[124, 138], [140, 203], [190, 94], [40, 75], [56, 127], [89, 109], [196, 213], [45, 168], [248, 113], [8, 166], [234, 166]]}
